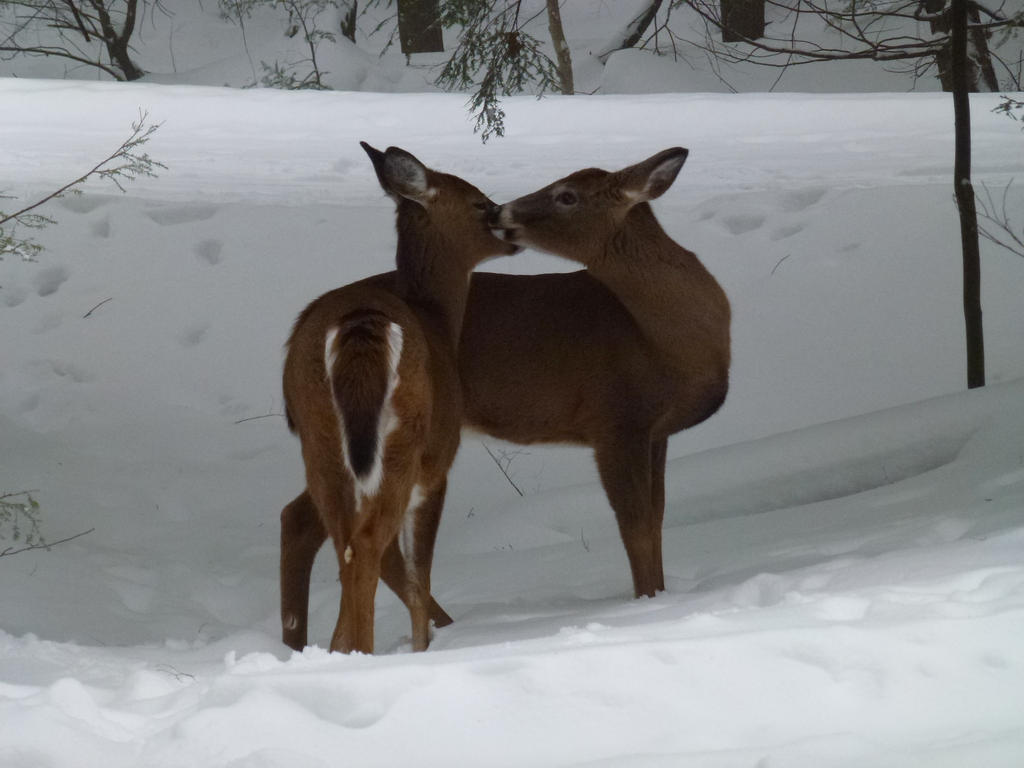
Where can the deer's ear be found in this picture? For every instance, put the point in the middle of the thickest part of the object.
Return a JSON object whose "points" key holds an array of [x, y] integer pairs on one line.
{"points": [[649, 179], [377, 158], [404, 175]]}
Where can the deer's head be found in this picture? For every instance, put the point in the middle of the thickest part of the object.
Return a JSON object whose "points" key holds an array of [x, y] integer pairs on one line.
{"points": [[439, 207], [577, 216]]}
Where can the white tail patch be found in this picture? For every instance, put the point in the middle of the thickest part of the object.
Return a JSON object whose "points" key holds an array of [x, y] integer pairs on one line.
{"points": [[387, 421], [330, 351]]}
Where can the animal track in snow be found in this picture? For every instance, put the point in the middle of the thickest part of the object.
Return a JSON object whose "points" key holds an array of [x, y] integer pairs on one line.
{"points": [[30, 403], [209, 251], [44, 371], [83, 203], [742, 223], [48, 322], [802, 199], [193, 335], [13, 295], [101, 228], [181, 214], [781, 233], [344, 166], [48, 281], [75, 373]]}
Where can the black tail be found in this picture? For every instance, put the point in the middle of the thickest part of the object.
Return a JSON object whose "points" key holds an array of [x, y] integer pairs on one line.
{"points": [[361, 359]]}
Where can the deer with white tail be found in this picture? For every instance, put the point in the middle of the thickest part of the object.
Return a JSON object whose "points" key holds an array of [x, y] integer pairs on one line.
{"points": [[371, 388]]}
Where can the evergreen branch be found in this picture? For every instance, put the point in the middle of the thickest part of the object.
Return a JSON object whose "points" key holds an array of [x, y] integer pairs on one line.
{"points": [[135, 165]]}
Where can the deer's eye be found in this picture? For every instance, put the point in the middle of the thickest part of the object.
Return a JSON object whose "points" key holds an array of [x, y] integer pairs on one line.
{"points": [[567, 197], [481, 206]]}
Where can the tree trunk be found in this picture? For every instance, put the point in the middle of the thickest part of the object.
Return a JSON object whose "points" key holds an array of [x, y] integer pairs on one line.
{"points": [[418, 27], [117, 42], [964, 192], [561, 48], [634, 32], [981, 75], [348, 20], [742, 20]]}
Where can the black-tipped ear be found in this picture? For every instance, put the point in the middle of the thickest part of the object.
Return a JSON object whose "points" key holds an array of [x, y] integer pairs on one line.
{"points": [[650, 179], [377, 158], [402, 174]]}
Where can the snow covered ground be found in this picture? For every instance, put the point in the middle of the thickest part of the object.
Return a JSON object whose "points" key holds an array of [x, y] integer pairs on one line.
{"points": [[843, 541]]}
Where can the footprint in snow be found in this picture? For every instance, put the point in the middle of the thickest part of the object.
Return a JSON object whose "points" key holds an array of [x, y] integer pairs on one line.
{"points": [[209, 251], [101, 228], [69, 371], [344, 165], [181, 214], [786, 231], [48, 322], [193, 335], [13, 295], [742, 223], [29, 404], [83, 203], [802, 199], [48, 281]]}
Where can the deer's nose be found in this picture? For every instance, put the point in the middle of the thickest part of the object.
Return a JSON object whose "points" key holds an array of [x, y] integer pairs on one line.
{"points": [[493, 214]]}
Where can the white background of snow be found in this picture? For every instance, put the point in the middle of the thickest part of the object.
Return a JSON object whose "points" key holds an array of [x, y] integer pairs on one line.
{"points": [[844, 589]]}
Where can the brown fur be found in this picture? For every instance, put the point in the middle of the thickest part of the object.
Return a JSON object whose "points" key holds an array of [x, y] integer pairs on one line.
{"points": [[638, 347], [442, 236], [617, 360]]}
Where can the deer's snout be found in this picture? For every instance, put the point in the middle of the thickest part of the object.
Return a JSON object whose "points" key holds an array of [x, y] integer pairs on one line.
{"points": [[503, 224]]}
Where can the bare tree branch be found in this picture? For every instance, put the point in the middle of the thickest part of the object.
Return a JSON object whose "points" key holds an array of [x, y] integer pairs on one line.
{"points": [[47, 545]]}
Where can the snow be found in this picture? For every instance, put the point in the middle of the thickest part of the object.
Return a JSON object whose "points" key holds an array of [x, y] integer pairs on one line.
{"points": [[843, 541]]}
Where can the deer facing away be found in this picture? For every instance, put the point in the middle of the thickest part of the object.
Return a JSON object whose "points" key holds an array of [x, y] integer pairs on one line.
{"points": [[371, 388], [618, 356]]}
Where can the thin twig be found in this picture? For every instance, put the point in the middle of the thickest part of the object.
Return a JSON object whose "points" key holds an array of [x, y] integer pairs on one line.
{"points": [[501, 468], [12, 551], [999, 219], [778, 263], [139, 129], [253, 418], [86, 315]]}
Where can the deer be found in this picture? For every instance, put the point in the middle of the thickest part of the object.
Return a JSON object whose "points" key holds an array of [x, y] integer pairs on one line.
{"points": [[371, 388], [641, 351], [618, 356]]}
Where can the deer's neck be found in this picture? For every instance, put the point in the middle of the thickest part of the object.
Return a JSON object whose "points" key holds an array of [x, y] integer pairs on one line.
{"points": [[430, 275], [678, 305]]}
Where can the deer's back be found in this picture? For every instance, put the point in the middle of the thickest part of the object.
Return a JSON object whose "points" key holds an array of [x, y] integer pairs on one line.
{"points": [[428, 391]]}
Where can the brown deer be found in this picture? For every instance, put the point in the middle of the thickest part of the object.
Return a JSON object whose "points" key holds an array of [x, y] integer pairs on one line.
{"points": [[618, 356], [371, 388]]}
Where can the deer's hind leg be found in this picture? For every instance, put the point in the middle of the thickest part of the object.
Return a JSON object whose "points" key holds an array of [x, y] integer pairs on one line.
{"points": [[406, 569], [416, 543], [302, 535]]}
